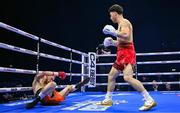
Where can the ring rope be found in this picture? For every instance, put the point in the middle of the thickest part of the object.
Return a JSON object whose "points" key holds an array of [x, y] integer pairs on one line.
{"points": [[15, 70], [10, 28], [160, 62], [148, 62], [148, 74], [17, 89], [144, 54], [144, 83], [22, 50], [24, 71]]}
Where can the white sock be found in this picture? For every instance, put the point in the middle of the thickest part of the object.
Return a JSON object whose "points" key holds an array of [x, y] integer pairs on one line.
{"points": [[109, 95], [146, 96], [41, 95]]}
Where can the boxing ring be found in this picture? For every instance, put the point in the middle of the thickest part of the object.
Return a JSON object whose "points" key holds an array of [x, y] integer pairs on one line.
{"points": [[84, 101]]}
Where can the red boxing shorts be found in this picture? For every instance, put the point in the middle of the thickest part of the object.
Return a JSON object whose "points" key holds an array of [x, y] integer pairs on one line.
{"points": [[56, 98], [125, 55]]}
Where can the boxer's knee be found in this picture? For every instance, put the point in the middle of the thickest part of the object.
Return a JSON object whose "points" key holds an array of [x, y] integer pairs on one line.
{"points": [[52, 84], [127, 78], [112, 74]]}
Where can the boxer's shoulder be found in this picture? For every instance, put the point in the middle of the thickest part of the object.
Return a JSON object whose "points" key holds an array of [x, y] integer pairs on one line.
{"points": [[126, 22]]}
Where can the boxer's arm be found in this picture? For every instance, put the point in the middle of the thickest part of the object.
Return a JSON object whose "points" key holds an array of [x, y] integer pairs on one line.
{"points": [[115, 42], [59, 74], [47, 73], [43, 73], [124, 32], [52, 73]]}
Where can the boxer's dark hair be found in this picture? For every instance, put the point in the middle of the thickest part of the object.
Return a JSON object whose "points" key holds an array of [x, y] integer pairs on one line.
{"points": [[116, 8]]}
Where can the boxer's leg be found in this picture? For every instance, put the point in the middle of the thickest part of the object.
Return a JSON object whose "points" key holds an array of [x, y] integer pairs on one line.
{"points": [[128, 77], [136, 84], [110, 88], [71, 88], [47, 90]]}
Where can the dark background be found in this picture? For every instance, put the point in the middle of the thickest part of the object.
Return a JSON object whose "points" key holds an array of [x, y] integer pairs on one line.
{"points": [[78, 24], [69, 22]]}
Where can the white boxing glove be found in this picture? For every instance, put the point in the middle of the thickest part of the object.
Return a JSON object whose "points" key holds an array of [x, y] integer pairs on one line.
{"points": [[109, 29], [108, 41]]}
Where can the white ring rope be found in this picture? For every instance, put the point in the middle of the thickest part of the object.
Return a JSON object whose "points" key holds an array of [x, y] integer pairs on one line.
{"points": [[106, 55], [160, 62], [148, 74], [10, 28], [148, 62], [17, 49], [102, 64], [24, 71], [17, 89], [144, 83], [22, 50], [159, 53], [144, 54], [14, 70], [162, 73]]}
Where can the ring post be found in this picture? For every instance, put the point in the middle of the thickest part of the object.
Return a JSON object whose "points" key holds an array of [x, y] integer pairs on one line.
{"points": [[136, 71], [92, 69], [82, 71], [38, 55]]}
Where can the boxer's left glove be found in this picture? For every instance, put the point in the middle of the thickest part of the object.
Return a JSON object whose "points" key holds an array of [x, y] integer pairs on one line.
{"points": [[62, 75], [108, 41], [109, 29]]}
